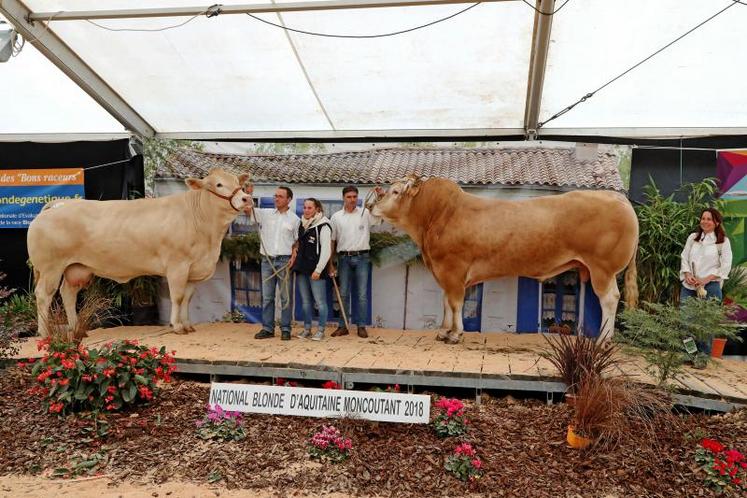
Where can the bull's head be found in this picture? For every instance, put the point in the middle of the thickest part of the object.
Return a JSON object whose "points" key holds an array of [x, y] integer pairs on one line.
{"points": [[396, 200], [224, 185]]}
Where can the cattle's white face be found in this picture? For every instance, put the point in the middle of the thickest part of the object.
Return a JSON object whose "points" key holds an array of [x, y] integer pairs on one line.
{"points": [[396, 201], [234, 192]]}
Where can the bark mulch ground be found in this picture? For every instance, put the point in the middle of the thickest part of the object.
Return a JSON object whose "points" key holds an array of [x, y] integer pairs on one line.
{"points": [[521, 442]]}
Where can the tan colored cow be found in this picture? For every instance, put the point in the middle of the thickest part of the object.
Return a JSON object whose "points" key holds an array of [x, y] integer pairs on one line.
{"points": [[177, 237], [465, 240]]}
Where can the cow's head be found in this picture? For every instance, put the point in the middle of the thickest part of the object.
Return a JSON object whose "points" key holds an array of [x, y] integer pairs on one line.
{"points": [[224, 185], [396, 201]]}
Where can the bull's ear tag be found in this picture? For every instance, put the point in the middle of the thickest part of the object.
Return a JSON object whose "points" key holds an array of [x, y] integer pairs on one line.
{"points": [[690, 345]]}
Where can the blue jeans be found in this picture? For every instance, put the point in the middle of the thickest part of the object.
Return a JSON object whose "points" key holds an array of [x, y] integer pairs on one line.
{"points": [[318, 288], [269, 282], [354, 268], [713, 289]]}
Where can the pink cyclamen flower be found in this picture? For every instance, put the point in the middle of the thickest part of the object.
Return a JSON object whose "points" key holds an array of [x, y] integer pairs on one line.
{"points": [[733, 456], [451, 406], [465, 449], [477, 463], [712, 445]]}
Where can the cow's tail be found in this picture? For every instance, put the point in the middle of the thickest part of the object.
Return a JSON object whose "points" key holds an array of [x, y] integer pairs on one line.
{"points": [[631, 283]]}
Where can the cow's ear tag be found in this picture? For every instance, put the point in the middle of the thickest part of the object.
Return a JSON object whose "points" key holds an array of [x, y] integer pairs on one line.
{"points": [[194, 183]]}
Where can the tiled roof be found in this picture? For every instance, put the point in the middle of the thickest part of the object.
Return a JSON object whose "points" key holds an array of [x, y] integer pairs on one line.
{"points": [[553, 167]]}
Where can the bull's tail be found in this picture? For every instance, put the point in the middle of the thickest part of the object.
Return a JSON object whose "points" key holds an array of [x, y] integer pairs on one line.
{"points": [[631, 283]]}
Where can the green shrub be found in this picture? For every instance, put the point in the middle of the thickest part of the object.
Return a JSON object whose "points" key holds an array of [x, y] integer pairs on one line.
{"points": [[665, 224], [18, 313], [659, 330], [73, 378]]}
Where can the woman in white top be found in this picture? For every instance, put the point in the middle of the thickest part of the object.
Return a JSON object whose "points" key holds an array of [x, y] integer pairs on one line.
{"points": [[706, 259], [314, 250]]}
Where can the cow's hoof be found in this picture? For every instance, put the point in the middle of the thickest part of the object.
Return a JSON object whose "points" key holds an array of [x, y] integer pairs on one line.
{"points": [[454, 338], [442, 335], [180, 330], [190, 328]]}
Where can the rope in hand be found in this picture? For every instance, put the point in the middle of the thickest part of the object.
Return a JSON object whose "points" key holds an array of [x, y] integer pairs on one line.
{"points": [[367, 204]]}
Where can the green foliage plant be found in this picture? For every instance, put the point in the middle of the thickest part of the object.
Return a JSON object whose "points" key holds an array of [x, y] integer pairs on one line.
{"points": [[664, 225], [657, 332]]}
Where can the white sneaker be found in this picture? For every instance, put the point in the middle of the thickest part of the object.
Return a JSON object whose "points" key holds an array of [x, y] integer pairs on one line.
{"points": [[305, 334], [318, 336]]}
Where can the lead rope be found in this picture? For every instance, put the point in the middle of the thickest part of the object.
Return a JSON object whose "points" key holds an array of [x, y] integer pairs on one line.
{"points": [[367, 204]]}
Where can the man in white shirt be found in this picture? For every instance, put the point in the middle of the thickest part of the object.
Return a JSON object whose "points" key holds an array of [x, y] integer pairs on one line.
{"points": [[350, 239], [278, 230]]}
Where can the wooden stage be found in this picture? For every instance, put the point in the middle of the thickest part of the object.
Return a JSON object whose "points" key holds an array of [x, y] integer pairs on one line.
{"points": [[494, 361]]}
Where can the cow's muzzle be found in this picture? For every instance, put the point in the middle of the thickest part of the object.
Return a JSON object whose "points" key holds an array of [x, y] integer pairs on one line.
{"points": [[245, 199], [372, 198]]}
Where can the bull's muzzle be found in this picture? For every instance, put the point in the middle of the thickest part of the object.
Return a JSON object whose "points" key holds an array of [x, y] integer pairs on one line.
{"points": [[372, 198]]}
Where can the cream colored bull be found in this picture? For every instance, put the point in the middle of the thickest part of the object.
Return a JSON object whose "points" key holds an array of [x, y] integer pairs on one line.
{"points": [[177, 237], [465, 240]]}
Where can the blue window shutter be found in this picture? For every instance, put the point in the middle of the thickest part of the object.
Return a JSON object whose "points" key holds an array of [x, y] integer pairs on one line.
{"points": [[242, 285], [527, 312], [266, 202], [592, 313], [473, 295]]}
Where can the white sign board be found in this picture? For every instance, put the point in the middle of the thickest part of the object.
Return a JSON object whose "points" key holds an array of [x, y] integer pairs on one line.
{"points": [[324, 403]]}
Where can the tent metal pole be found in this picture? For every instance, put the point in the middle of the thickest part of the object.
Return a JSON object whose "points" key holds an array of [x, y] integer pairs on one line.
{"points": [[238, 9], [537, 66]]}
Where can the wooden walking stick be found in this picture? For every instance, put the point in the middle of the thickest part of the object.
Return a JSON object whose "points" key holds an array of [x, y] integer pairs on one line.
{"points": [[339, 300]]}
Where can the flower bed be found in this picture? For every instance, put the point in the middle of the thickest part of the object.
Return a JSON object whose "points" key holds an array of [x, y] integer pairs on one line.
{"points": [[71, 377]]}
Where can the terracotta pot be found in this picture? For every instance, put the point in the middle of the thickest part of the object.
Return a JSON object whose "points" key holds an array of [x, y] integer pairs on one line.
{"points": [[717, 347], [576, 441]]}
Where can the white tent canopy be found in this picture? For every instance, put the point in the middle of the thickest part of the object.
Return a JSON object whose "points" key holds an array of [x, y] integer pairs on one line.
{"points": [[38, 99], [496, 69]]}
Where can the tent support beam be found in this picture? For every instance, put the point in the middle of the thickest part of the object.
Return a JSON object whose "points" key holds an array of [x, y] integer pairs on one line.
{"points": [[537, 66], [73, 66], [486, 134], [291, 135], [238, 9]]}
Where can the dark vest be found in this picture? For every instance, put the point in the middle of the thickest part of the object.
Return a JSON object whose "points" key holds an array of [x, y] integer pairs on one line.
{"points": [[309, 248]]}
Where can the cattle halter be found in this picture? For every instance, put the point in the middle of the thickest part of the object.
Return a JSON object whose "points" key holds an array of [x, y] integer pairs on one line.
{"points": [[370, 200], [229, 198]]}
